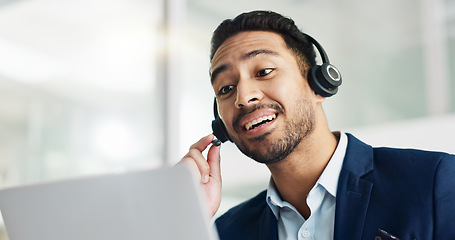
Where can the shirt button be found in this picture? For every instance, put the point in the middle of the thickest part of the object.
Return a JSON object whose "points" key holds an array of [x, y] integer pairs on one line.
{"points": [[305, 233]]}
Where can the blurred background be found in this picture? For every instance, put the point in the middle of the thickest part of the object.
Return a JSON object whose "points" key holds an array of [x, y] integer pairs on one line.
{"points": [[97, 86]]}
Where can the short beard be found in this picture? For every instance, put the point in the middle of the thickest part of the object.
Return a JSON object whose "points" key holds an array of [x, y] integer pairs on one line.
{"points": [[295, 131]]}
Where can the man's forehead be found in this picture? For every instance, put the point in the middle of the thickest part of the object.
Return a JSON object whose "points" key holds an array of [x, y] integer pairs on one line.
{"points": [[245, 45]]}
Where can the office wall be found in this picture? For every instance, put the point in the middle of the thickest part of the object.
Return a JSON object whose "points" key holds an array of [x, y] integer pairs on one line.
{"points": [[78, 88], [79, 93]]}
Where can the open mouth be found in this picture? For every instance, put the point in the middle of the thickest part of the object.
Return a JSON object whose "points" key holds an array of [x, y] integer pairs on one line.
{"points": [[259, 121]]}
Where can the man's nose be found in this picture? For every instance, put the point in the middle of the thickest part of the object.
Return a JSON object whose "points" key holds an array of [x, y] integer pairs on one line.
{"points": [[248, 94]]}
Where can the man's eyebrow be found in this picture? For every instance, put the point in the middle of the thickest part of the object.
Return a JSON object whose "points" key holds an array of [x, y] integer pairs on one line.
{"points": [[254, 53], [217, 71], [246, 56]]}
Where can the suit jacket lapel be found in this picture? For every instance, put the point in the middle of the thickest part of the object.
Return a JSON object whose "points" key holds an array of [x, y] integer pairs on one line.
{"points": [[353, 193]]}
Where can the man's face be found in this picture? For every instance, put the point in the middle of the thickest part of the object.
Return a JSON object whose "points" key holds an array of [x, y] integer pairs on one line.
{"points": [[263, 99]]}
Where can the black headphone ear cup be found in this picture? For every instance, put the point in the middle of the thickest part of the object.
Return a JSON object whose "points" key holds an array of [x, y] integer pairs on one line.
{"points": [[218, 127], [219, 130], [324, 79]]}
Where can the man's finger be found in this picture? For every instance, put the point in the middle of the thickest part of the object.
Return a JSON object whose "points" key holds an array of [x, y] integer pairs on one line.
{"points": [[213, 160], [202, 144]]}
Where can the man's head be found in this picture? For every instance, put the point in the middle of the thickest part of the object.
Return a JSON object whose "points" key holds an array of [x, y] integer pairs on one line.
{"points": [[295, 40], [258, 72]]}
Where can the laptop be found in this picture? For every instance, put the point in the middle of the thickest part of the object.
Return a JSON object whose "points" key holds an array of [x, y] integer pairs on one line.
{"points": [[151, 204]]}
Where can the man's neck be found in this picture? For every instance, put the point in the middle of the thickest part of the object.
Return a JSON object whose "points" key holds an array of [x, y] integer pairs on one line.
{"points": [[296, 175]]}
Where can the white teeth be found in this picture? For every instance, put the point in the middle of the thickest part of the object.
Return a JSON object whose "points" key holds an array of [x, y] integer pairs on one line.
{"points": [[250, 125]]}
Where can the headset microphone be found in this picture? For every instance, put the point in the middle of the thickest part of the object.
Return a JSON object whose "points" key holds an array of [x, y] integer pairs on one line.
{"points": [[323, 79]]}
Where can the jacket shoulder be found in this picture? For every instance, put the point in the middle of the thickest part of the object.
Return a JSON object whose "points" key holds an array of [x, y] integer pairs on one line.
{"points": [[243, 218], [244, 212], [412, 153], [412, 158]]}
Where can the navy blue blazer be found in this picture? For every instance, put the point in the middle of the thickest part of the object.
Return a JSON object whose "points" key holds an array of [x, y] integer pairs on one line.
{"points": [[408, 193]]}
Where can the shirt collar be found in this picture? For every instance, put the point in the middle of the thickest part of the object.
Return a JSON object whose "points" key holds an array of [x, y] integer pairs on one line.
{"points": [[273, 198], [331, 173], [328, 178]]}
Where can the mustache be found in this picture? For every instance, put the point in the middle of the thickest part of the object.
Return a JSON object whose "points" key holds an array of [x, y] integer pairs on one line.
{"points": [[236, 123]]}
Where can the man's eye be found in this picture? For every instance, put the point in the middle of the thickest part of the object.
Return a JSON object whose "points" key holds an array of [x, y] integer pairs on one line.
{"points": [[225, 89], [264, 72]]}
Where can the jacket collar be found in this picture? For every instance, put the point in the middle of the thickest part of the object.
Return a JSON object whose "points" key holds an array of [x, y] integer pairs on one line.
{"points": [[359, 157], [353, 192]]}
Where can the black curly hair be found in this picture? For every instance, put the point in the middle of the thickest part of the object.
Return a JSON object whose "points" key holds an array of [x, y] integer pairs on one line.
{"points": [[270, 21]]}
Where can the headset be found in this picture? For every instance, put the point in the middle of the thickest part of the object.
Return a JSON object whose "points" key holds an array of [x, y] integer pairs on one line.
{"points": [[323, 79]]}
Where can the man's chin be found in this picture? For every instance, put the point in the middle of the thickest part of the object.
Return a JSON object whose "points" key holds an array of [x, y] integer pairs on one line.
{"points": [[260, 152], [267, 149]]}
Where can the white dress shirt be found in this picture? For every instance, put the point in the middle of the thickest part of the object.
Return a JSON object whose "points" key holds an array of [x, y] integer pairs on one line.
{"points": [[320, 200]]}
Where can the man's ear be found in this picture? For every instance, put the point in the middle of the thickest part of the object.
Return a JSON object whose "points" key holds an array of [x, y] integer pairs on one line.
{"points": [[319, 98]]}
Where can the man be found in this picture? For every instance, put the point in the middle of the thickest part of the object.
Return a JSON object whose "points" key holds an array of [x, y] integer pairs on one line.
{"points": [[324, 185]]}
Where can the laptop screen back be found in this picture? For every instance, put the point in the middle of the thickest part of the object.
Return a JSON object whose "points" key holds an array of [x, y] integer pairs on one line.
{"points": [[151, 204]]}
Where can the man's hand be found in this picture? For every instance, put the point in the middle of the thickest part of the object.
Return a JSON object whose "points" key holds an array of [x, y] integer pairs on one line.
{"points": [[209, 170]]}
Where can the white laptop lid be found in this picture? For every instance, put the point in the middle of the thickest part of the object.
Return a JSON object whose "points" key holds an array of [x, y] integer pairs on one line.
{"points": [[151, 204]]}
